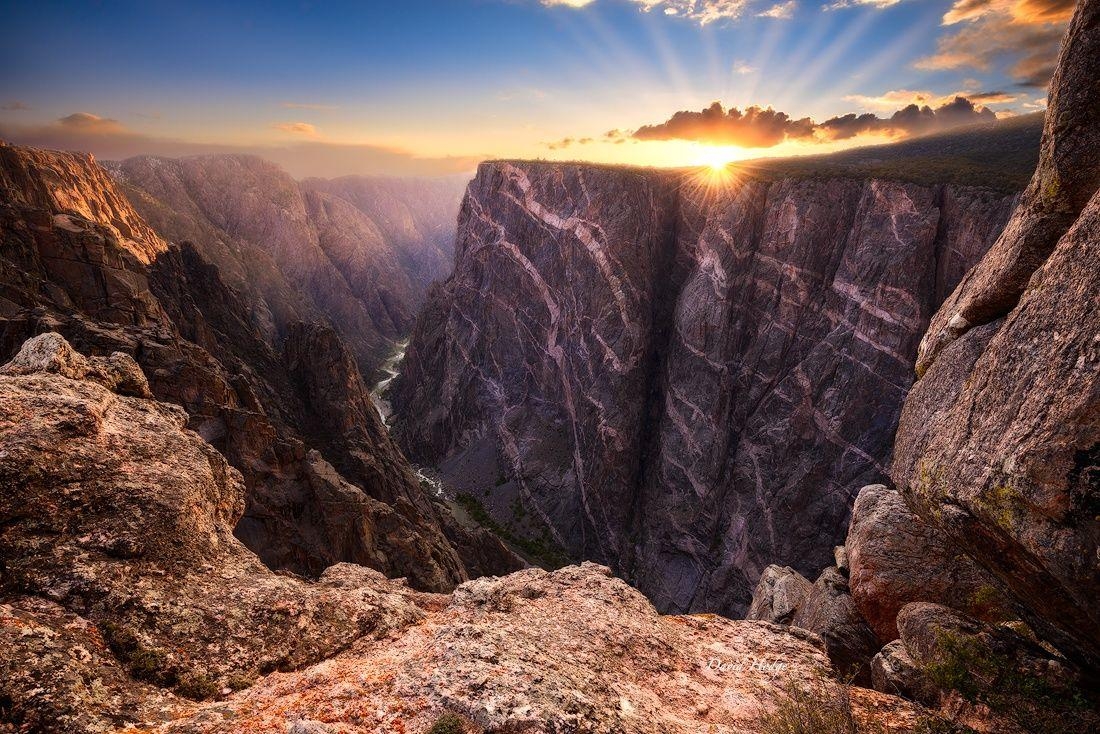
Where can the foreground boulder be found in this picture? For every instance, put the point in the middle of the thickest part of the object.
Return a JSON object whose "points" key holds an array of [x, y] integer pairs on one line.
{"points": [[830, 612], [896, 558], [126, 600]]}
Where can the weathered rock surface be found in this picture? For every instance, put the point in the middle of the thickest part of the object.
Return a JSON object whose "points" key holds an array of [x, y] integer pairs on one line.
{"points": [[117, 546], [999, 442], [616, 348], [778, 595], [573, 650], [204, 345], [829, 611], [1003, 680], [894, 672], [896, 558], [125, 598]]}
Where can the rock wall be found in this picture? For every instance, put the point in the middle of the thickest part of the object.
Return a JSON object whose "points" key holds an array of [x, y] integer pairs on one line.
{"points": [[683, 377]]}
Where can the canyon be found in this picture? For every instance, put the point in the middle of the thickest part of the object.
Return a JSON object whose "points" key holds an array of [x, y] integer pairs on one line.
{"points": [[811, 446], [684, 376]]}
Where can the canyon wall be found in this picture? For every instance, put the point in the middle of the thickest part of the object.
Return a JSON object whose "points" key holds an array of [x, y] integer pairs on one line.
{"points": [[356, 252], [324, 481], [684, 376]]}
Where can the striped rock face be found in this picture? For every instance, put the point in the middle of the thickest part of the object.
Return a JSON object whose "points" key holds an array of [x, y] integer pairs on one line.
{"points": [[684, 379]]}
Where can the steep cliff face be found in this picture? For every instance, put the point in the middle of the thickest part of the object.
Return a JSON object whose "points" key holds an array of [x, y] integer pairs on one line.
{"points": [[684, 378], [356, 252], [249, 392], [999, 443]]}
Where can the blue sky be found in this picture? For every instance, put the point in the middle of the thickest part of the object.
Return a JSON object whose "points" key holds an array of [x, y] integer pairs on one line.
{"points": [[420, 86]]}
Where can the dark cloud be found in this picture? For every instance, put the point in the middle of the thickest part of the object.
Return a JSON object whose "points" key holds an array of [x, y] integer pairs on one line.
{"points": [[756, 127], [909, 121], [14, 106], [109, 140]]}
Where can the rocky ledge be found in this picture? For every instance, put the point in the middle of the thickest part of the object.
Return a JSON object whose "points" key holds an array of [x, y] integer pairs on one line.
{"points": [[127, 604]]}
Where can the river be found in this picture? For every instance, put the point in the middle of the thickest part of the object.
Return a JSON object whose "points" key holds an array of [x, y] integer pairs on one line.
{"points": [[390, 369]]}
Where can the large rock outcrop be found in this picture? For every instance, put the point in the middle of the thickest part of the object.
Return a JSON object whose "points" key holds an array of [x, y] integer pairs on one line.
{"points": [[999, 442], [683, 378], [125, 599]]}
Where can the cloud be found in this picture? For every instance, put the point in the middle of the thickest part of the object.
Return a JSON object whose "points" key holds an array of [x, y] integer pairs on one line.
{"points": [[569, 142], [307, 106], [842, 4], [743, 67], [700, 11], [896, 98], [296, 128], [756, 127], [1022, 11], [109, 140], [14, 106], [1026, 33], [88, 123], [779, 11]]}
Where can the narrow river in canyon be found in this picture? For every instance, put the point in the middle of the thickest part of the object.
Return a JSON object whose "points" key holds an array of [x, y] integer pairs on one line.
{"points": [[390, 369]]}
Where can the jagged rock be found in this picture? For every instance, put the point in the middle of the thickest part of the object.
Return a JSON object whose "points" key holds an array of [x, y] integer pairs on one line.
{"points": [[125, 595], [122, 519], [999, 442], [829, 611], [612, 356], [50, 352], [210, 346], [897, 558], [894, 672], [840, 556], [778, 595], [1063, 185]]}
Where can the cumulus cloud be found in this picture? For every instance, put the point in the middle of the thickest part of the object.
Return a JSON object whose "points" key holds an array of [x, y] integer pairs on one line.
{"points": [[110, 140], [1025, 32], [296, 128], [757, 127], [779, 11]]}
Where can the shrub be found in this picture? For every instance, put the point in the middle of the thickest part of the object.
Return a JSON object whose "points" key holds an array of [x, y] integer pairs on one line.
{"points": [[196, 686], [804, 711], [447, 724]]}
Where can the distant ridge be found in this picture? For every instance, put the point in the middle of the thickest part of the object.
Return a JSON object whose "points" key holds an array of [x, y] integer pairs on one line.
{"points": [[999, 156]]}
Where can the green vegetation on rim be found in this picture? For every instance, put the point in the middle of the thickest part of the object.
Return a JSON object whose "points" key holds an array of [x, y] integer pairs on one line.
{"points": [[544, 549]]}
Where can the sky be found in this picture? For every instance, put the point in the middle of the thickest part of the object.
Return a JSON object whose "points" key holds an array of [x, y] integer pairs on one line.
{"points": [[424, 87]]}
